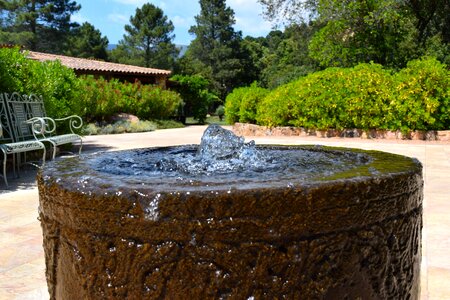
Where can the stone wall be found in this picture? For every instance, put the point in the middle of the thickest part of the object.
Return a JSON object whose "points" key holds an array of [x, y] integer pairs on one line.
{"points": [[245, 129]]}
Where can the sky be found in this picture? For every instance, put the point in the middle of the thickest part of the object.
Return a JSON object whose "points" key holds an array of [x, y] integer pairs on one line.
{"points": [[110, 16]]}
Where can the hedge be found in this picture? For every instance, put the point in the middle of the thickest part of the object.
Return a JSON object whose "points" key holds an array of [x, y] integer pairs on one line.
{"points": [[93, 99], [364, 97], [241, 104]]}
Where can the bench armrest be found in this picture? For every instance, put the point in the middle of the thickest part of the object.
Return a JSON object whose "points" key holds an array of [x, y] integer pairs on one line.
{"points": [[75, 122], [41, 126]]}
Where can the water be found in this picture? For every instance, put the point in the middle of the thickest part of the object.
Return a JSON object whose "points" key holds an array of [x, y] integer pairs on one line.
{"points": [[221, 163], [220, 152], [224, 158]]}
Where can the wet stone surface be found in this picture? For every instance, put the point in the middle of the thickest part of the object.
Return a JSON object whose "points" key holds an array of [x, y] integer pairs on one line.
{"points": [[211, 222]]}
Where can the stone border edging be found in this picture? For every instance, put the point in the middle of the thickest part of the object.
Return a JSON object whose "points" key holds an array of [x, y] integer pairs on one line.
{"points": [[246, 129]]}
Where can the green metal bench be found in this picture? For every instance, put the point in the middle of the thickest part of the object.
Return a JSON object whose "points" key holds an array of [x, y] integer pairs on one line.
{"points": [[31, 107], [26, 128], [8, 143]]}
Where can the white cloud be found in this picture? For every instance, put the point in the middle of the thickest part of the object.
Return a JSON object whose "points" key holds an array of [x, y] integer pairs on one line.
{"points": [[253, 27], [77, 17], [181, 22], [118, 18], [250, 6], [249, 19]]}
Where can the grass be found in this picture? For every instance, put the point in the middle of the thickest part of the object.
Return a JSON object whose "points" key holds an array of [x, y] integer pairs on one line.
{"points": [[143, 126], [209, 120]]}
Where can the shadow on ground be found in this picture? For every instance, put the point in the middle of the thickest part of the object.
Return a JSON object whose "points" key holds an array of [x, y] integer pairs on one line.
{"points": [[26, 179]]}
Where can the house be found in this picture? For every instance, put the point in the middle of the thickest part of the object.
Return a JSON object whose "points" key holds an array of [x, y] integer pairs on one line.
{"points": [[107, 70]]}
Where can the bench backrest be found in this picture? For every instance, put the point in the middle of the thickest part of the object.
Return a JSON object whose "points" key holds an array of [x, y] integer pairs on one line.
{"points": [[36, 106], [6, 133], [18, 115]]}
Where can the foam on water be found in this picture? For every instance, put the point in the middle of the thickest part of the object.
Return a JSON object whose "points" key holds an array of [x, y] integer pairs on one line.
{"points": [[221, 154], [222, 161]]}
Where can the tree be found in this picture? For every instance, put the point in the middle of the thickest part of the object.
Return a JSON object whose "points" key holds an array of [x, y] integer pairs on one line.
{"points": [[194, 91], [216, 47], [431, 17], [363, 31], [148, 41], [389, 32], [290, 11], [40, 25], [87, 42], [287, 56]]}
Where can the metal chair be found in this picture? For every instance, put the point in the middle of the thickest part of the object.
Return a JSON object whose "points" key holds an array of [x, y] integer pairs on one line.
{"points": [[9, 144], [23, 108]]}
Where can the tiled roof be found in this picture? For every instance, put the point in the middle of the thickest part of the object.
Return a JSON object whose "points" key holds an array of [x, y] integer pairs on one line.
{"points": [[84, 64]]}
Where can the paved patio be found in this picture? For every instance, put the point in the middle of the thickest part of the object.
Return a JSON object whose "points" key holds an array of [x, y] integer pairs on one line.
{"points": [[22, 268]]}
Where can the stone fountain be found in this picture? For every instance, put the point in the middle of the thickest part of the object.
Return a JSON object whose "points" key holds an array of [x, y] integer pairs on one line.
{"points": [[232, 220]]}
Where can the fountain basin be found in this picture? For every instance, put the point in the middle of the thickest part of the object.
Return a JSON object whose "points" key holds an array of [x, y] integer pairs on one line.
{"points": [[353, 233]]}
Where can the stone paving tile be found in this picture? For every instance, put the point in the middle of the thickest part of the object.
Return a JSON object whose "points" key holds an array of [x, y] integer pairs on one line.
{"points": [[22, 265], [438, 283]]}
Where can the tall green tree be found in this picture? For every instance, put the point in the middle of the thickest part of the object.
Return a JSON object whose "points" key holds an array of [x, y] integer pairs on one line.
{"points": [[86, 41], [362, 31], [148, 41], [216, 49], [287, 56], [389, 32], [290, 11], [40, 25], [7, 34]]}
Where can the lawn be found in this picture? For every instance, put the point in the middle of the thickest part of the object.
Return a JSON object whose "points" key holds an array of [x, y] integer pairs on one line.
{"points": [[209, 120]]}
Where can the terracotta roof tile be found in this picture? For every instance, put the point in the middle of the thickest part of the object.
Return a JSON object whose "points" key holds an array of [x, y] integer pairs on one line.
{"points": [[95, 65]]}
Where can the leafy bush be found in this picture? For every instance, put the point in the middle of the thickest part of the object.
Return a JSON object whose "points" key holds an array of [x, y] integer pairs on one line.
{"points": [[366, 96], [119, 127], [233, 105], [156, 103], [91, 98], [422, 96], [102, 99], [57, 84], [195, 94], [242, 103], [220, 112]]}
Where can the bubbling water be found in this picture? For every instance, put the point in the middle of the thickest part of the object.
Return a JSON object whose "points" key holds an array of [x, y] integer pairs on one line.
{"points": [[225, 157], [220, 152]]}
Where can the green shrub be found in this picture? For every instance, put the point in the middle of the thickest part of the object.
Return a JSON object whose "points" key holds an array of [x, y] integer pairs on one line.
{"points": [[233, 105], [142, 126], [156, 103], [422, 96], [195, 94], [93, 99], [242, 103], [13, 69], [103, 99], [220, 112], [57, 84], [119, 127], [90, 129], [366, 96]]}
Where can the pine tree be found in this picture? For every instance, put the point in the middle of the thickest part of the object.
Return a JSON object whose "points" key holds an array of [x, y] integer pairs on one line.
{"points": [[40, 25], [216, 46], [87, 42], [148, 41]]}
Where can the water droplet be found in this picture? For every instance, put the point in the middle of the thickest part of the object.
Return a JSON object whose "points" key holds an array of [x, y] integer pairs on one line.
{"points": [[193, 242]]}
